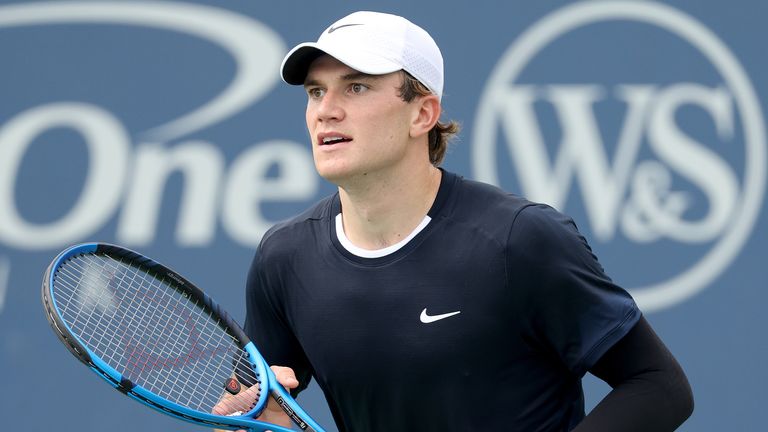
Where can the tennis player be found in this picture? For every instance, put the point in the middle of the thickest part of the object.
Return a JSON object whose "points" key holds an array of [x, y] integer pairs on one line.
{"points": [[423, 301]]}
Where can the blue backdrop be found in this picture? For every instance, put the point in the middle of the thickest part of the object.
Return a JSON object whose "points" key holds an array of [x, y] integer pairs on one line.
{"points": [[163, 126]]}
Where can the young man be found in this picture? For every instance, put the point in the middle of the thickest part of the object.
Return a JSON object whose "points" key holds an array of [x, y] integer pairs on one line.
{"points": [[421, 301]]}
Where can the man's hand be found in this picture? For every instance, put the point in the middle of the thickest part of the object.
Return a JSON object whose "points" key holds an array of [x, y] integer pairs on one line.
{"points": [[273, 413], [244, 400]]}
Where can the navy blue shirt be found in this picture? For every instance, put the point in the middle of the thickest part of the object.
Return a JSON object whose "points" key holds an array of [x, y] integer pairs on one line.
{"points": [[536, 311]]}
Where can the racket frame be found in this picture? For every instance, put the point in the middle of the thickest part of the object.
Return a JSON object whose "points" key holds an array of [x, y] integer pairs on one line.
{"points": [[144, 396]]}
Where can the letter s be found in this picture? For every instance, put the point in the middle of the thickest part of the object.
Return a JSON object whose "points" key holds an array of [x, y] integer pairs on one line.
{"points": [[694, 160]]}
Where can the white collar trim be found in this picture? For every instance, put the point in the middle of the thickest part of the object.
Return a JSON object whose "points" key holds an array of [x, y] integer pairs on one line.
{"points": [[377, 253]]}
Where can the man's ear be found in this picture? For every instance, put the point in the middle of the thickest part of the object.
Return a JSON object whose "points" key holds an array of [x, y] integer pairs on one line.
{"points": [[426, 116]]}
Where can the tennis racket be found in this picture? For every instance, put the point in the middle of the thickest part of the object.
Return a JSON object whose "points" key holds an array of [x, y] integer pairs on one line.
{"points": [[160, 340]]}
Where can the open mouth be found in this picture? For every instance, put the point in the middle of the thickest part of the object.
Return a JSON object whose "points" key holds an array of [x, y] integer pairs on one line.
{"points": [[331, 140]]}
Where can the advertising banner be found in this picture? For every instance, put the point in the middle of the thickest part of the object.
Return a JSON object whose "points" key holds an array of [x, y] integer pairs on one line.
{"points": [[164, 127]]}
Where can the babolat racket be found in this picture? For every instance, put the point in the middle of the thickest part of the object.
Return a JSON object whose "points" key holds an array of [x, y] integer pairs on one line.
{"points": [[159, 339]]}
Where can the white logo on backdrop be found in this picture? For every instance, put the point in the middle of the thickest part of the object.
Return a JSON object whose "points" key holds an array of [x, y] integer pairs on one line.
{"points": [[5, 276], [634, 196], [254, 46], [129, 179], [126, 180]]}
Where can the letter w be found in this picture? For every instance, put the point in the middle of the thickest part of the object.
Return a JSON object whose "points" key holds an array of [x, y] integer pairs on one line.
{"points": [[581, 152]]}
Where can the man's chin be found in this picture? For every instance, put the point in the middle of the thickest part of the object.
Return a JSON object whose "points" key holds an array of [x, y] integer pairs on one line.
{"points": [[335, 175], [343, 177]]}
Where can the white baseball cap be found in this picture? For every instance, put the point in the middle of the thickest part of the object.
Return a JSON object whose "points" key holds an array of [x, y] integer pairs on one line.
{"points": [[373, 43]]}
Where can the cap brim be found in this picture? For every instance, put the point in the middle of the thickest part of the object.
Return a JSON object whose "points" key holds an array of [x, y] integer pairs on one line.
{"points": [[296, 63]]}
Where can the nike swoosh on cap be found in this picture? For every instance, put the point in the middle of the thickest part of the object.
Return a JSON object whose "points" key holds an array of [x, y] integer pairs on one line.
{"points": [[426, 318], [333, 29]]}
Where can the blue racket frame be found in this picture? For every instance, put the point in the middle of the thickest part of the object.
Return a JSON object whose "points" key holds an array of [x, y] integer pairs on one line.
{"points": [[139, 393]]}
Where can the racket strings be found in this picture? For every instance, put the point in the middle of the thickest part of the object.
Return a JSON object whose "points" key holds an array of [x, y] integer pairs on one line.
{"points": [[149, 331]]}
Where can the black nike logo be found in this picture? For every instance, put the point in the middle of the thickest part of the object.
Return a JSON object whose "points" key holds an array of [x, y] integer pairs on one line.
{"points": [[333, 29]]}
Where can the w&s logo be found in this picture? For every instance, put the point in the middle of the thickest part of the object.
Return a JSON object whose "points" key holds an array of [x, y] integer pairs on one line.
{"points": [[638, 120]]}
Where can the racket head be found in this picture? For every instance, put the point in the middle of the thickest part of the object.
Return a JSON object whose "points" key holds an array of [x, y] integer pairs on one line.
{"points": [[114, 309]]}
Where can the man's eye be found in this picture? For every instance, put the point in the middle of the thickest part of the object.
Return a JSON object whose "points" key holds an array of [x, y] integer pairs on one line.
{"points": [[358, 88], [315, 92]]}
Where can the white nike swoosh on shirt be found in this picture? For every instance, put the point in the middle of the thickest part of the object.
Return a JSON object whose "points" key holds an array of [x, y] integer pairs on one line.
{"points": [[426, 319]]}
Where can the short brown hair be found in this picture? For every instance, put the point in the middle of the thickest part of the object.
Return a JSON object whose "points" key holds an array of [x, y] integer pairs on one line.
{"points": [[441, 133]]}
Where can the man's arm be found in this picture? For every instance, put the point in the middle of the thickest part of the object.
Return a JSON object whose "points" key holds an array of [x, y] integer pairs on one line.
{"points": [[650, 391]]}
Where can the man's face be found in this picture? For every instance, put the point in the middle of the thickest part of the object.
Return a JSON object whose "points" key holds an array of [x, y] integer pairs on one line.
{"points": [[358, 123]]}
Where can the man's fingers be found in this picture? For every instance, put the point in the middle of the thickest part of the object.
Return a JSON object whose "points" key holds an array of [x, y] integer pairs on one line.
{"points": [[285, 376], [241, 402]]}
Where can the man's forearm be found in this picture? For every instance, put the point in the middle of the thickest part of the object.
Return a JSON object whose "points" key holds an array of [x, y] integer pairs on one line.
{"points": [[650, 391]]}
